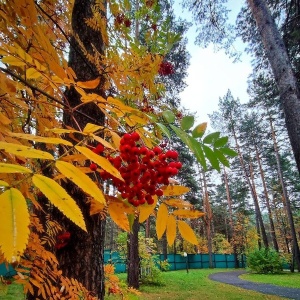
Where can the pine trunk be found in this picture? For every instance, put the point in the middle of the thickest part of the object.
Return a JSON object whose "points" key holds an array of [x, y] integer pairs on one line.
{"points": [[286, 200], [270, 214]]}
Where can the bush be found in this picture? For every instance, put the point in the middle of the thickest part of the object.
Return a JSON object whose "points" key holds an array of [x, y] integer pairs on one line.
{"points": [[265, 261]]}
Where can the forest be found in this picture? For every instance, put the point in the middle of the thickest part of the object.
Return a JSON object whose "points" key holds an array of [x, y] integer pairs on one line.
{"points": [[97, 152]]}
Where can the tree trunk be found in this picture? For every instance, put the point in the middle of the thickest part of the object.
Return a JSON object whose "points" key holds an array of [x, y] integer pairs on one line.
{"points": [[286, 200], [282, 69], [133, 258], [252, 190], [262, 176], [232, 237], [208, 221], [83, 258]]}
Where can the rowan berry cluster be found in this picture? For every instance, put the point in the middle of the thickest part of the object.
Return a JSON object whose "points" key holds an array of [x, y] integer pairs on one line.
{"points": [[166, 68], [121, 19], [144, 170]]}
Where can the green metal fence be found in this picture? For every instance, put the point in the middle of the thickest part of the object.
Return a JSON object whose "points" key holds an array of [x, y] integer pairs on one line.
{"points": [[179, 262]]}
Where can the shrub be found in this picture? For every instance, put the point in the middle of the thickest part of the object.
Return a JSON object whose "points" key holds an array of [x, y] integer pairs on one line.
{"points": [[265, 261]]}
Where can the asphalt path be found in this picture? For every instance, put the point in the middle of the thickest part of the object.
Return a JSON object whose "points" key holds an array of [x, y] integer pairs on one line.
{"points": [[233, 279]]}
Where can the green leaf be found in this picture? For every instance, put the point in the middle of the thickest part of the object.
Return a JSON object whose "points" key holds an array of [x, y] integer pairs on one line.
{"points": [[212, 157], [199, 130], [169, 116], [163, 129], [187, 122], [211, 138], [229, 152], [222, 158], [198, 151], [220, 142], [193, 144]]}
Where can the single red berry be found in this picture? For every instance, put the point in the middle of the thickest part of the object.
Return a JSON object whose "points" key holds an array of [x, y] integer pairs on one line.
{"points": [[150, 200], [93, 167], [154, 26], [127, 23], [178, 164], [157, 150], [135, 136], [159, 192], [99, 149]]}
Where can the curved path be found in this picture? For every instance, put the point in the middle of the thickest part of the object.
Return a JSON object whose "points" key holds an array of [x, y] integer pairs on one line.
{"points": [[233, 279]]}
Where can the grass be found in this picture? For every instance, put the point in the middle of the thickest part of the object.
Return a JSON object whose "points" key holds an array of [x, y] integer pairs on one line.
{"points": [[178, 285], [286, 279], [194, 286], [11, 292]]}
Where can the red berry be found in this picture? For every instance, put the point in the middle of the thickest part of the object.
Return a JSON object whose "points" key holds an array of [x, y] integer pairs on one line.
{"points": [[99, 149], [143, 150], [127, 23], [159, 192], [135, 136], [154, 27], [150, 200], [93, 167], [157, 150]]}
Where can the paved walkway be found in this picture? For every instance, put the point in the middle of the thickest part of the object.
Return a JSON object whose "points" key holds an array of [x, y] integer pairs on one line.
{"points": [[233, 279]]}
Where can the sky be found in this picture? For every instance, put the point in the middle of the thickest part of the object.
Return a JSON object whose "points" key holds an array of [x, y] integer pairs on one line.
{"points": [[211, 74]]}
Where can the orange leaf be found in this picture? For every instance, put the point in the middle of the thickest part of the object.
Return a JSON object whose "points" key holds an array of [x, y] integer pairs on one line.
{"points": [[174, 190], [146, 210], [171, 230], [161, 220], [190, 214], [92, 84], [179, 203], [116, 209], [187, 232]]}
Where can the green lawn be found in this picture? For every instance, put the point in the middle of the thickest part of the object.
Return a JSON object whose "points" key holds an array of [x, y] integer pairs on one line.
{"points": [[194, 286], [178, 285], [287, 279]]}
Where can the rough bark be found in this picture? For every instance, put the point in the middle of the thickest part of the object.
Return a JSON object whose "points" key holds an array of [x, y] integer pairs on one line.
{"points": [[270, 214], [282, 69], [286, 200], [252, 190], [231, 223], [133, 258], [208, 221], [83, 257]]}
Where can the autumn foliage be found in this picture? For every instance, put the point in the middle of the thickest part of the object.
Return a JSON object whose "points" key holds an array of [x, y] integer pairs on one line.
{"points": [[39, 153]]}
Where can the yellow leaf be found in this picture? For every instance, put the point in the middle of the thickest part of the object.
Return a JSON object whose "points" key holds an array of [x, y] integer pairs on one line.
{"points": [[171, 230], [11, 168], [199, 130], [179, 203], [3, 183], [59, 198], [116, 212], [14, 230], [13, 61], [61, 130], [90, 128], [174, 190], [187, 232], [146, 210], [25, 151], [32, 73], [161, 220], [190, 214], [40, 139], [4, 120], [101, 161], [80, 179], [102, 141], [92, 84]]}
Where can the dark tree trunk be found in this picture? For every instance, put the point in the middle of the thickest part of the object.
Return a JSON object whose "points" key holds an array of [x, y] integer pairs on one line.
{"points": [[282, 69], [133, 258], [286, 200], [82, 259], [232, 237], [270, 214]]}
